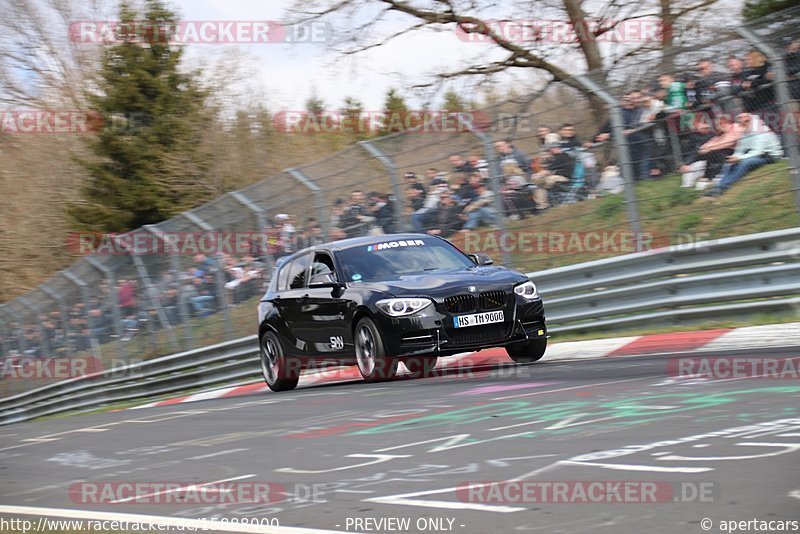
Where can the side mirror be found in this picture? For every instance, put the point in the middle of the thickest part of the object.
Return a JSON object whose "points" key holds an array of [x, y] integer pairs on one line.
{"points": [[322, 280], [481, 258]]}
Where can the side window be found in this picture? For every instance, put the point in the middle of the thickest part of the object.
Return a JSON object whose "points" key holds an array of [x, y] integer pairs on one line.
{"points": [[323, 264], [297, 272], [283, 277]]}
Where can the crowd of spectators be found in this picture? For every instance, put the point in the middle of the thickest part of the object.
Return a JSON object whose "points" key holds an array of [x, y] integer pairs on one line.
{"points": [[723, 119]]}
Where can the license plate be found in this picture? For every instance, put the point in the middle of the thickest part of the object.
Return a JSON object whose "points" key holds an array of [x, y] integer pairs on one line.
{"points": [[477, 319]]}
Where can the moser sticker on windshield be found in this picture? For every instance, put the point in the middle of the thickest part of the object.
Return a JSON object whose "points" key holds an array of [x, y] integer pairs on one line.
{"points": [[395, 244]]}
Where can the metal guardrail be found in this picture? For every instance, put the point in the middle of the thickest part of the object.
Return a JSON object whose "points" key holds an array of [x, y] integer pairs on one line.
{"points": [[735, 276]]}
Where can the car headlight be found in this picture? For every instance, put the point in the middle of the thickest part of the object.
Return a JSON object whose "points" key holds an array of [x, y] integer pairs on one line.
{"points": [[527, 290], [402, 306]]}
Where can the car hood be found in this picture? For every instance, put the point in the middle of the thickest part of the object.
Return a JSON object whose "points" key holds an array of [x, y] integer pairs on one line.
{"points": [[441, 284]]}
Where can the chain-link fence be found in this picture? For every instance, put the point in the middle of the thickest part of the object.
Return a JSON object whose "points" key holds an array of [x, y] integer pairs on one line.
{"points": [[673, 149]]}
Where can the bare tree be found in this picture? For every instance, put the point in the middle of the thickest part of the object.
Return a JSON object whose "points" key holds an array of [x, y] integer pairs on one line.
{"points": [[591, 25], [42, 61]]}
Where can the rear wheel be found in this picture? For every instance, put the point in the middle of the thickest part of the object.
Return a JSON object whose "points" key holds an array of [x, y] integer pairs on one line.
{"points": [[421, 366], [527, 351], [373, 363], [279, 372]]}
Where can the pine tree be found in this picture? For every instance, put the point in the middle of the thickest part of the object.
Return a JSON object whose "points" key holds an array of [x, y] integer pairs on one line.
{"points": [[395, 111], [148, 161]]}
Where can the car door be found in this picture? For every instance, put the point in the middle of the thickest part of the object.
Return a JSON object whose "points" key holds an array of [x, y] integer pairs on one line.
{"points": [[323, 309], [291, 289]]}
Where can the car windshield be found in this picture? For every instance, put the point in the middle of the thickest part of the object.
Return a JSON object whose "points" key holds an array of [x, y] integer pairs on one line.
{"points": [[389, 260]]}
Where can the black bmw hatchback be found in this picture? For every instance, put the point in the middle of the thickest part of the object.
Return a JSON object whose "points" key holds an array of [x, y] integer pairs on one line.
{"points": [[377, 301]]}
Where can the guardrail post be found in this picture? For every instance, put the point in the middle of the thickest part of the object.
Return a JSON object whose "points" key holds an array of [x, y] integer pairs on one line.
{"points": [[495, 176], [113, 301], [623, 154], [399, 194], [58, 297], [319, 197], [784, 101], [218, 275], [261, 221]]}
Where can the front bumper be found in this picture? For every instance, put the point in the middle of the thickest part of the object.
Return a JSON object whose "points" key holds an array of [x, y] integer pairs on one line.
{"points": [[431, 331]]}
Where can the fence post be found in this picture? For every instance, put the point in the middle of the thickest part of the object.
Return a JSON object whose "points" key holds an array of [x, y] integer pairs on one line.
{"points": [[58, 297], [112, 302], [399, 195], [784, 98], [261, 221], [495, 175], [623, 154], [218, 275], [319, 196]]}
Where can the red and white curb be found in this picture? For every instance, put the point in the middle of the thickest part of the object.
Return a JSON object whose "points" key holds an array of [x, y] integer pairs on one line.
{"points": [[787, 334]]}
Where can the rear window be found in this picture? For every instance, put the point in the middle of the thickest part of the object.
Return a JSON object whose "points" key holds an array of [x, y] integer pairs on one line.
{"points": [[389, 260]]}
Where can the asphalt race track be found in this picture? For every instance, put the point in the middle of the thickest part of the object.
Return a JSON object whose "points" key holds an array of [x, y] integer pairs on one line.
{"points": [[364, 458]]}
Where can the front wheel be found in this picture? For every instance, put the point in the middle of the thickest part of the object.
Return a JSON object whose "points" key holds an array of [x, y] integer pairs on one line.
{"points": [[527, 351], [373, 363], [278, 371]]}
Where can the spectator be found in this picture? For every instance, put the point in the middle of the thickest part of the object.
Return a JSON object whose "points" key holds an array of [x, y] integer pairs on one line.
{"points": [[480, 212], [706, 83], [337, 212], [675, 98], [541, 133], [509, 153], [287, 233], [414, 200], [569, 141], [479, 164], [555, 176], [792, 62], [758, 96], [715, 151], [459, 164], [448, 220], [694, 164], [412, 181], [422, 218], [462, 192], [515, 191], [382, 210], [356, 218], [758, 146]]}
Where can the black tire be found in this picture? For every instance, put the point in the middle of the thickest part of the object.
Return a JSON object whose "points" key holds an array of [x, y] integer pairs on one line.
{"points": [[527, 351], [421, 366], [280, 373], [373, 363]]}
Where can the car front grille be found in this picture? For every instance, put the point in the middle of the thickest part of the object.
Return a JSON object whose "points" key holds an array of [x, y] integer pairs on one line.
{"points": [[493, 300], [489, 300], [460, 303]]}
